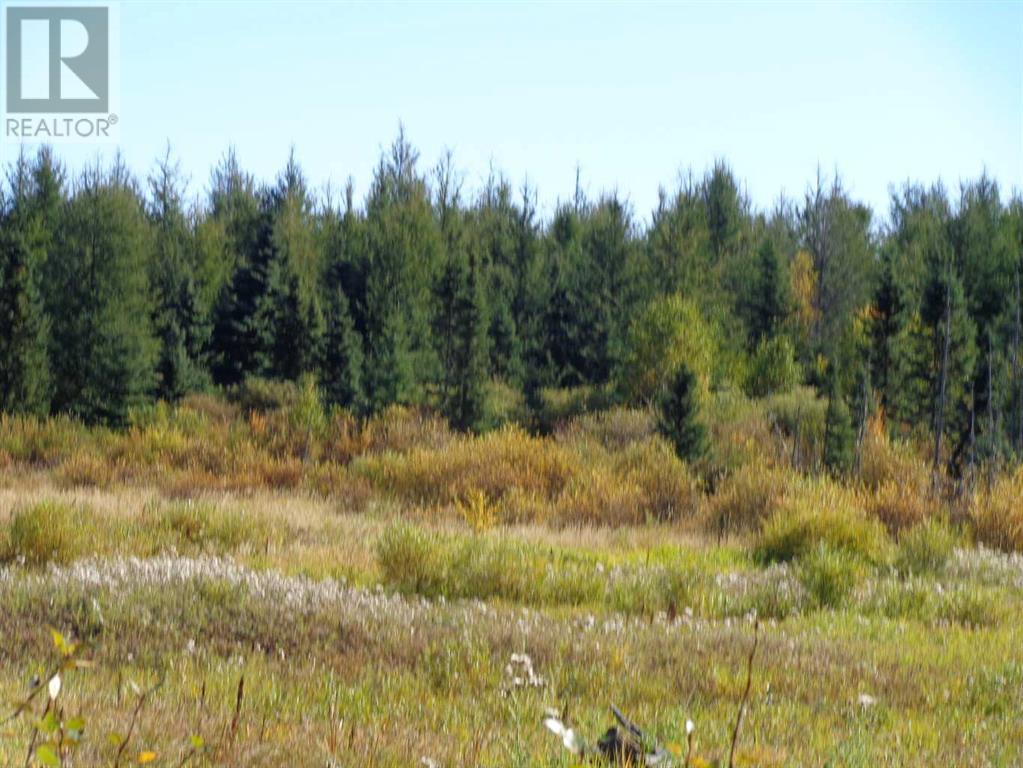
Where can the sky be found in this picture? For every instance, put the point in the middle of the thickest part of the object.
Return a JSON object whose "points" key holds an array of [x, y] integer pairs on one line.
{"points": [[632, 95]]}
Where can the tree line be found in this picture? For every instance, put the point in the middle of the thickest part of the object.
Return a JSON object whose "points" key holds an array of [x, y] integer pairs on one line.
{"points": [[115, 292]]}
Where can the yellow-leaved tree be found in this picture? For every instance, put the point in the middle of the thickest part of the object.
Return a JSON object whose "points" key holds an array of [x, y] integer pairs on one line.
{"points": [[669, 332]]}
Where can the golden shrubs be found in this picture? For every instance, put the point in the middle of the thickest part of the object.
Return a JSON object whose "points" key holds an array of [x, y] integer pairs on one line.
{"points": [[599, 468], [534, 479], [821, 513], [895, 482], [494, 464], [48, 532], [997, 514], [748, 497]]}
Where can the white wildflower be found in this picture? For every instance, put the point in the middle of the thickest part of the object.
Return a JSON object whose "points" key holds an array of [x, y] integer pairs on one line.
{"points": [[54, 686], [566, 734]]}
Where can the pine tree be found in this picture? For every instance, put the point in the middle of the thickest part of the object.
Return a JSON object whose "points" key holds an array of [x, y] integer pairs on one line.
{"points": [[24, 330], [341, 367], [104, 352], [28, 229], [724, 210], [839, 432], [389, 376], [243, 334], [181, 327], [402, 248], [679, 415], [295, 326], [460, 328], [771, 298]]}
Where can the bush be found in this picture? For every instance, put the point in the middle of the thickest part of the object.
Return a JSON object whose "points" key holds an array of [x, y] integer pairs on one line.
{"points": [[748, 497], [85, 470], [899, 506], [411, 560], [997, 514], [668, 489], [925, 548], [261, 395], [612, 429], [402, 429], [494, 464], [839, 436], [800, 415], [43, 442], [773, 368], [741, 432], [670, 332], [48, 532], [503, 405], [830, 576], [821, 512], [557, 406]]}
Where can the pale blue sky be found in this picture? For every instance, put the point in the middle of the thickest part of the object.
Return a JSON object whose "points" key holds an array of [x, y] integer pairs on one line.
{"points": [[631, 93]]}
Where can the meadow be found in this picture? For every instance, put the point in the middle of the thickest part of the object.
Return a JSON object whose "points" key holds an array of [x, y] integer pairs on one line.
{"points": [[253, 580]]}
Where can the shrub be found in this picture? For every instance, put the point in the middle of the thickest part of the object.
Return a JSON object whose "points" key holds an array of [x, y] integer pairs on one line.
{"points": [[613, 429], [741, 432], [599, 498], [800, 415], [830, 575], [748, 497], [899, 505], [203, 526], [43, 442], [668, 489], [48, 532], [557, 406], [493, 464], [997, 514], [925, 548], [411, 560], [503, 405], [670, 332], [883, 460], [773, 367], [896, 482], [256, 394], [402, 429], [820, 512], [85, 470], [477, 511]]}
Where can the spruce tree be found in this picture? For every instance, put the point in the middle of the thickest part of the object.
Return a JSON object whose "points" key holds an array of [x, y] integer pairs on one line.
{"points": [[243, 334], [342, 359], [180, 325], [679, 415], [771, 298], [24, 327], [839, 432], [460, 328], [295, 326], [402, 248], [104, 352]]}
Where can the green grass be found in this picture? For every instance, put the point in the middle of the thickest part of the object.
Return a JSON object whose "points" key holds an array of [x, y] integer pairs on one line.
{"points": [[319, 658]]}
